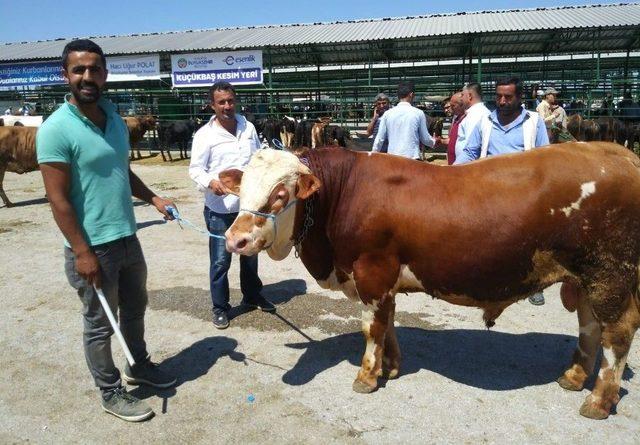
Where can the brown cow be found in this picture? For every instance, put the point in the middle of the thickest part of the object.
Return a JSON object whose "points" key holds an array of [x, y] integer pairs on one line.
{"points": [[488, 234], [317, 132], [17, 153], [138, 126]]}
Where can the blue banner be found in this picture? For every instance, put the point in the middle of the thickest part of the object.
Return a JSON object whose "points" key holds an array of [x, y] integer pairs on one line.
{"points": [[31, 74]]}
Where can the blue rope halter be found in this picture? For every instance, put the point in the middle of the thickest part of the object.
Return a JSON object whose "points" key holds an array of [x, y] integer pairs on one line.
{"points": [[176, 215], [271, 216]]}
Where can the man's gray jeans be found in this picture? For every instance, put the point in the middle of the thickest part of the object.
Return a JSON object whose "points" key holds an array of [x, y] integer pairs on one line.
{"points": [[124, 281]]}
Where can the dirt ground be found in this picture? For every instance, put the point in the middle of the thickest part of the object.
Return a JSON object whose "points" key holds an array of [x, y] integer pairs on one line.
{"points": [[459, 382]]}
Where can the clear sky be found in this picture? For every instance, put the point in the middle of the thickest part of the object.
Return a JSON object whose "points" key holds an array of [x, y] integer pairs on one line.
{"points": [[30, 20]]}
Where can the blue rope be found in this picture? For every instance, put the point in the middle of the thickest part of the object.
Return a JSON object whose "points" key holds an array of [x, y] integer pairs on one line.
{"points": [[176, 215], [277, 144]]}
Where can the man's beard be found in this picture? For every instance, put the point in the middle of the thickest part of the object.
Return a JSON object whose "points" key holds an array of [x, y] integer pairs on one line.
{"points": [[88, 97], [508, 109]]}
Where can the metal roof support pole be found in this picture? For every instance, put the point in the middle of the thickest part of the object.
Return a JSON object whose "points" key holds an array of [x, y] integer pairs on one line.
{"points": [[318, 83], [370, 74], [626, 84], [389, 74], [598, 62], [479, 75], [270, 80], [470, 61], [464, 59]]}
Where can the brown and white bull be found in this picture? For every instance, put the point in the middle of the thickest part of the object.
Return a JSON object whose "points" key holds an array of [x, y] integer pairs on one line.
{"points": [[486, 234]]}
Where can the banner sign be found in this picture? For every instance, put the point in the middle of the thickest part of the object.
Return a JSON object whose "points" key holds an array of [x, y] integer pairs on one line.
{"points": [[31, 74], [133, 68], [203, 69]]}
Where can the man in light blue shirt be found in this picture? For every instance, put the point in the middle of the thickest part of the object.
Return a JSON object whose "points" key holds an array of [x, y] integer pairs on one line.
{"points": [[509, 129], [404, 126]]}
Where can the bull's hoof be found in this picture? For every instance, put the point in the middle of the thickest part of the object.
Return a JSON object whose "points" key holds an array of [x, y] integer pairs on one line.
{"points": [[593, 411], [569, 384], [391, 374], [363, 388], [9, 204]]}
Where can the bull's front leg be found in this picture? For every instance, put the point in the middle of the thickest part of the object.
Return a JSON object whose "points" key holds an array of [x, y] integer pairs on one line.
{"points": [[375, 320], [3, 195], [391, 357]]}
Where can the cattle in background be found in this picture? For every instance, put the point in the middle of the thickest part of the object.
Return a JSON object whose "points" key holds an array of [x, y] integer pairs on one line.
{"points": [[574, 126], [270, 130], [138, 126], [303, 133], [317, 132], [287, 131], [611, 130], [176, 132], [17, 153], [435, 125], [336, 135], [577, 222]]}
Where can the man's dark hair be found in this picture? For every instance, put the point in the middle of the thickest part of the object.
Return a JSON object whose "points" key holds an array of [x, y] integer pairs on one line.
{"points": [[511, 81], [405, 88], [221, 86], [475, 88], [82, 45]]}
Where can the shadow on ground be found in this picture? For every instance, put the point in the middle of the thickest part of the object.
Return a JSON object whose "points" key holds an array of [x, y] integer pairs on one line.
{"points": [[192, 363], [29, 202], [154, 222], [484, 359]]}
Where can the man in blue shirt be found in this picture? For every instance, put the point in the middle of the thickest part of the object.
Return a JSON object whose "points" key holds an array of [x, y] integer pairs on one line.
{"points": [[83, 151], [508, 129], [381, 106], [404, 126]]}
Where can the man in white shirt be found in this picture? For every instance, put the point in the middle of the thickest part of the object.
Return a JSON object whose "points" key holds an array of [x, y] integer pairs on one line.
{"points": [[475, 111], [403, 126], [226, 141]]}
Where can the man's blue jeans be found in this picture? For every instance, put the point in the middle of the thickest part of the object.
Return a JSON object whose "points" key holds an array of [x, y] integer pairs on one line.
{"points": [[250, 284]]}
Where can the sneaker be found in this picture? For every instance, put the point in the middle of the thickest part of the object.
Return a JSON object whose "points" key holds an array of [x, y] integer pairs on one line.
{"points": [[260, 302], [123, 405], [537, 299], [220, 320], [147, 373]]}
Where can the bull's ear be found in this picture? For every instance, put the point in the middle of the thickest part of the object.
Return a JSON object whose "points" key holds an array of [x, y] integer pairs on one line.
{"points": [[231, 179], [307, 185]]}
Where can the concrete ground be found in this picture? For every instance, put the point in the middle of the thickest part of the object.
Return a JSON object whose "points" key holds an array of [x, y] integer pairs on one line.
{"points": [[283, 378]]}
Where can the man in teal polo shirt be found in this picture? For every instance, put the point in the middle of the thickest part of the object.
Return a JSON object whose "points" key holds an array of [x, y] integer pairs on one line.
{"points": [[83, 151]]}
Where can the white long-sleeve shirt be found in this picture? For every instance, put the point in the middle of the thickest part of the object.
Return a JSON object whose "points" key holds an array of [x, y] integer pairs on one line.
{"points": [[214, 150], [473, 115], [405, 127]]}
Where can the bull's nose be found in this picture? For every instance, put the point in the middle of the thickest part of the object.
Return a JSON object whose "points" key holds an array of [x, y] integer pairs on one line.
{"points": [[236, 244], [241, 243]]}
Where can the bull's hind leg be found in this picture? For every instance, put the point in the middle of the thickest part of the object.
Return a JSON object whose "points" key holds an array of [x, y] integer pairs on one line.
{"points": [[391, 356], [616, 342], [3, 195], [584, 357], [375, 320]]}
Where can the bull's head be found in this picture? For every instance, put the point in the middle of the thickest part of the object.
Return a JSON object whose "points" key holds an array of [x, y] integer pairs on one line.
{"points": [[271, 184]]}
